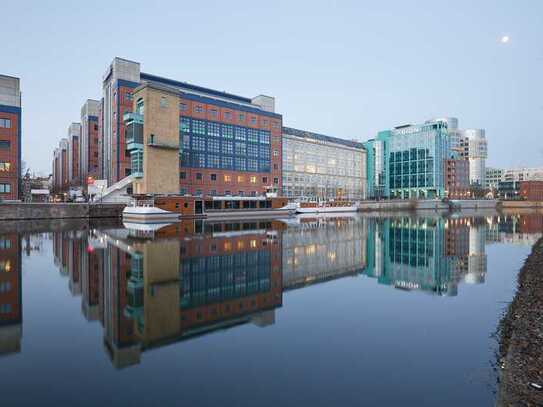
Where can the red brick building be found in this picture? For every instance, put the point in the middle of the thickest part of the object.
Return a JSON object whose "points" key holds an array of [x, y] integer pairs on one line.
{"points": [[10, 137], [531, 190], [229, 144], [456, 176]]}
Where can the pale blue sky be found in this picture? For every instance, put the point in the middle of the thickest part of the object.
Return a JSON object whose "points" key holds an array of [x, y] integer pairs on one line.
{"points": [[342, 68]]}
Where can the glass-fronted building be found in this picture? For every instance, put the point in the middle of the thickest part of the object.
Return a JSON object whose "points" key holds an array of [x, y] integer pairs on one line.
{"points": [[316, 166], [407, 161]]}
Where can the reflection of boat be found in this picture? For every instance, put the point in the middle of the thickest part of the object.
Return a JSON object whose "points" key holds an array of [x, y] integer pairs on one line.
{"points": [[326, 207], [145, 213], [145, 227]]}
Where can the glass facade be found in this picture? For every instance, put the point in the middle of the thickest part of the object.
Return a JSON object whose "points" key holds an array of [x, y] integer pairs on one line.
{"points": [[314, 168], [407, 162], [208, 144]]}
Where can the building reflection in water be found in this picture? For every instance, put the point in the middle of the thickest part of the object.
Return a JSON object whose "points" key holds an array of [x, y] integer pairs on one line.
{"points": [[317, 249], [427, 254], [151, 287], [11, 313]]}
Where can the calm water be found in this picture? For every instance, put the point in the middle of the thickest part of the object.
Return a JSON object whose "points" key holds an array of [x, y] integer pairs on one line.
{"points": [[338, 311]]}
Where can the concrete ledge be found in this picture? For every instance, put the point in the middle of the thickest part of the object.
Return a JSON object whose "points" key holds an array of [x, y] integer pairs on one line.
{"points": [[521, 204], [21, 211]]}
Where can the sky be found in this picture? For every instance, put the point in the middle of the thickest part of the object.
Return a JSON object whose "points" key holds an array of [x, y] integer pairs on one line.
{"points": [[343, 68]]}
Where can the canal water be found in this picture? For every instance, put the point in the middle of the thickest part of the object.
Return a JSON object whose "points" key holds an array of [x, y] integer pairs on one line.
{"points": [[346, 310]]}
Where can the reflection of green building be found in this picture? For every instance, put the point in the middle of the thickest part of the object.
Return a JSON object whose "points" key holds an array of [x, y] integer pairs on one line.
{"points": [[408, 253], [407, 161]]}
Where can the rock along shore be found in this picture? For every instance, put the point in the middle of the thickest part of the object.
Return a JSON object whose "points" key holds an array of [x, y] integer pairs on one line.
{"points": [[521, 338]]}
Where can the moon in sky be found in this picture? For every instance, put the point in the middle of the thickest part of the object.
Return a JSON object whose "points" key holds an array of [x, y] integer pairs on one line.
{"points": [[505, 39]]}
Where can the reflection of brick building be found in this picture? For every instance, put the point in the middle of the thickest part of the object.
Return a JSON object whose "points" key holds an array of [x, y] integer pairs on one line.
{"points": [[10, 294], [530, 223], [194, 277]]}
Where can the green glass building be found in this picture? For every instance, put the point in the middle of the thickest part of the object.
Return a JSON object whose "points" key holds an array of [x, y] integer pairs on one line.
{"points": [[407, 162]]}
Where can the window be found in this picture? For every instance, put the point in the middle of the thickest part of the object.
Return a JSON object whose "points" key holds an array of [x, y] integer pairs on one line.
{"points": [[240, 148], [198, 143], [183, 107], [240, 164], [4, 166], [241, 178], [163, 102], [139, 106], [200, 160], [265, 123], [5, 244], [227, 147], [185, 124], [264, 152], [227, 131], [213, 192], [213, 145], [253, 180], [227, 115], [198, 108], [213, 161], [264, 137], [253, 119], [252, 164], [264, 180], [183, 191], [183, 175], [4, 144], [198, 175], [186, 142], [214, 113], [264, 166], [276, 180], [213, 177], [227, 178], [241, 117], [199, 127], [5, 188], [241, 133], [213, 129], [227, 163], [275, 125], [275, 153], [252, 135], [5, 123], [252, 150]]}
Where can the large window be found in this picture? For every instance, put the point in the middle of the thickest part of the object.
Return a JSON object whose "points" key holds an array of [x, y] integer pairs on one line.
{"points": [[241, 133], [212, 140], [199, 127], [214, 129], [5, 188], [5, 166], [228, 147], [5, 123], [5, 144], [240, 148], [185, 125], [213, 146], [228, 131]]}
